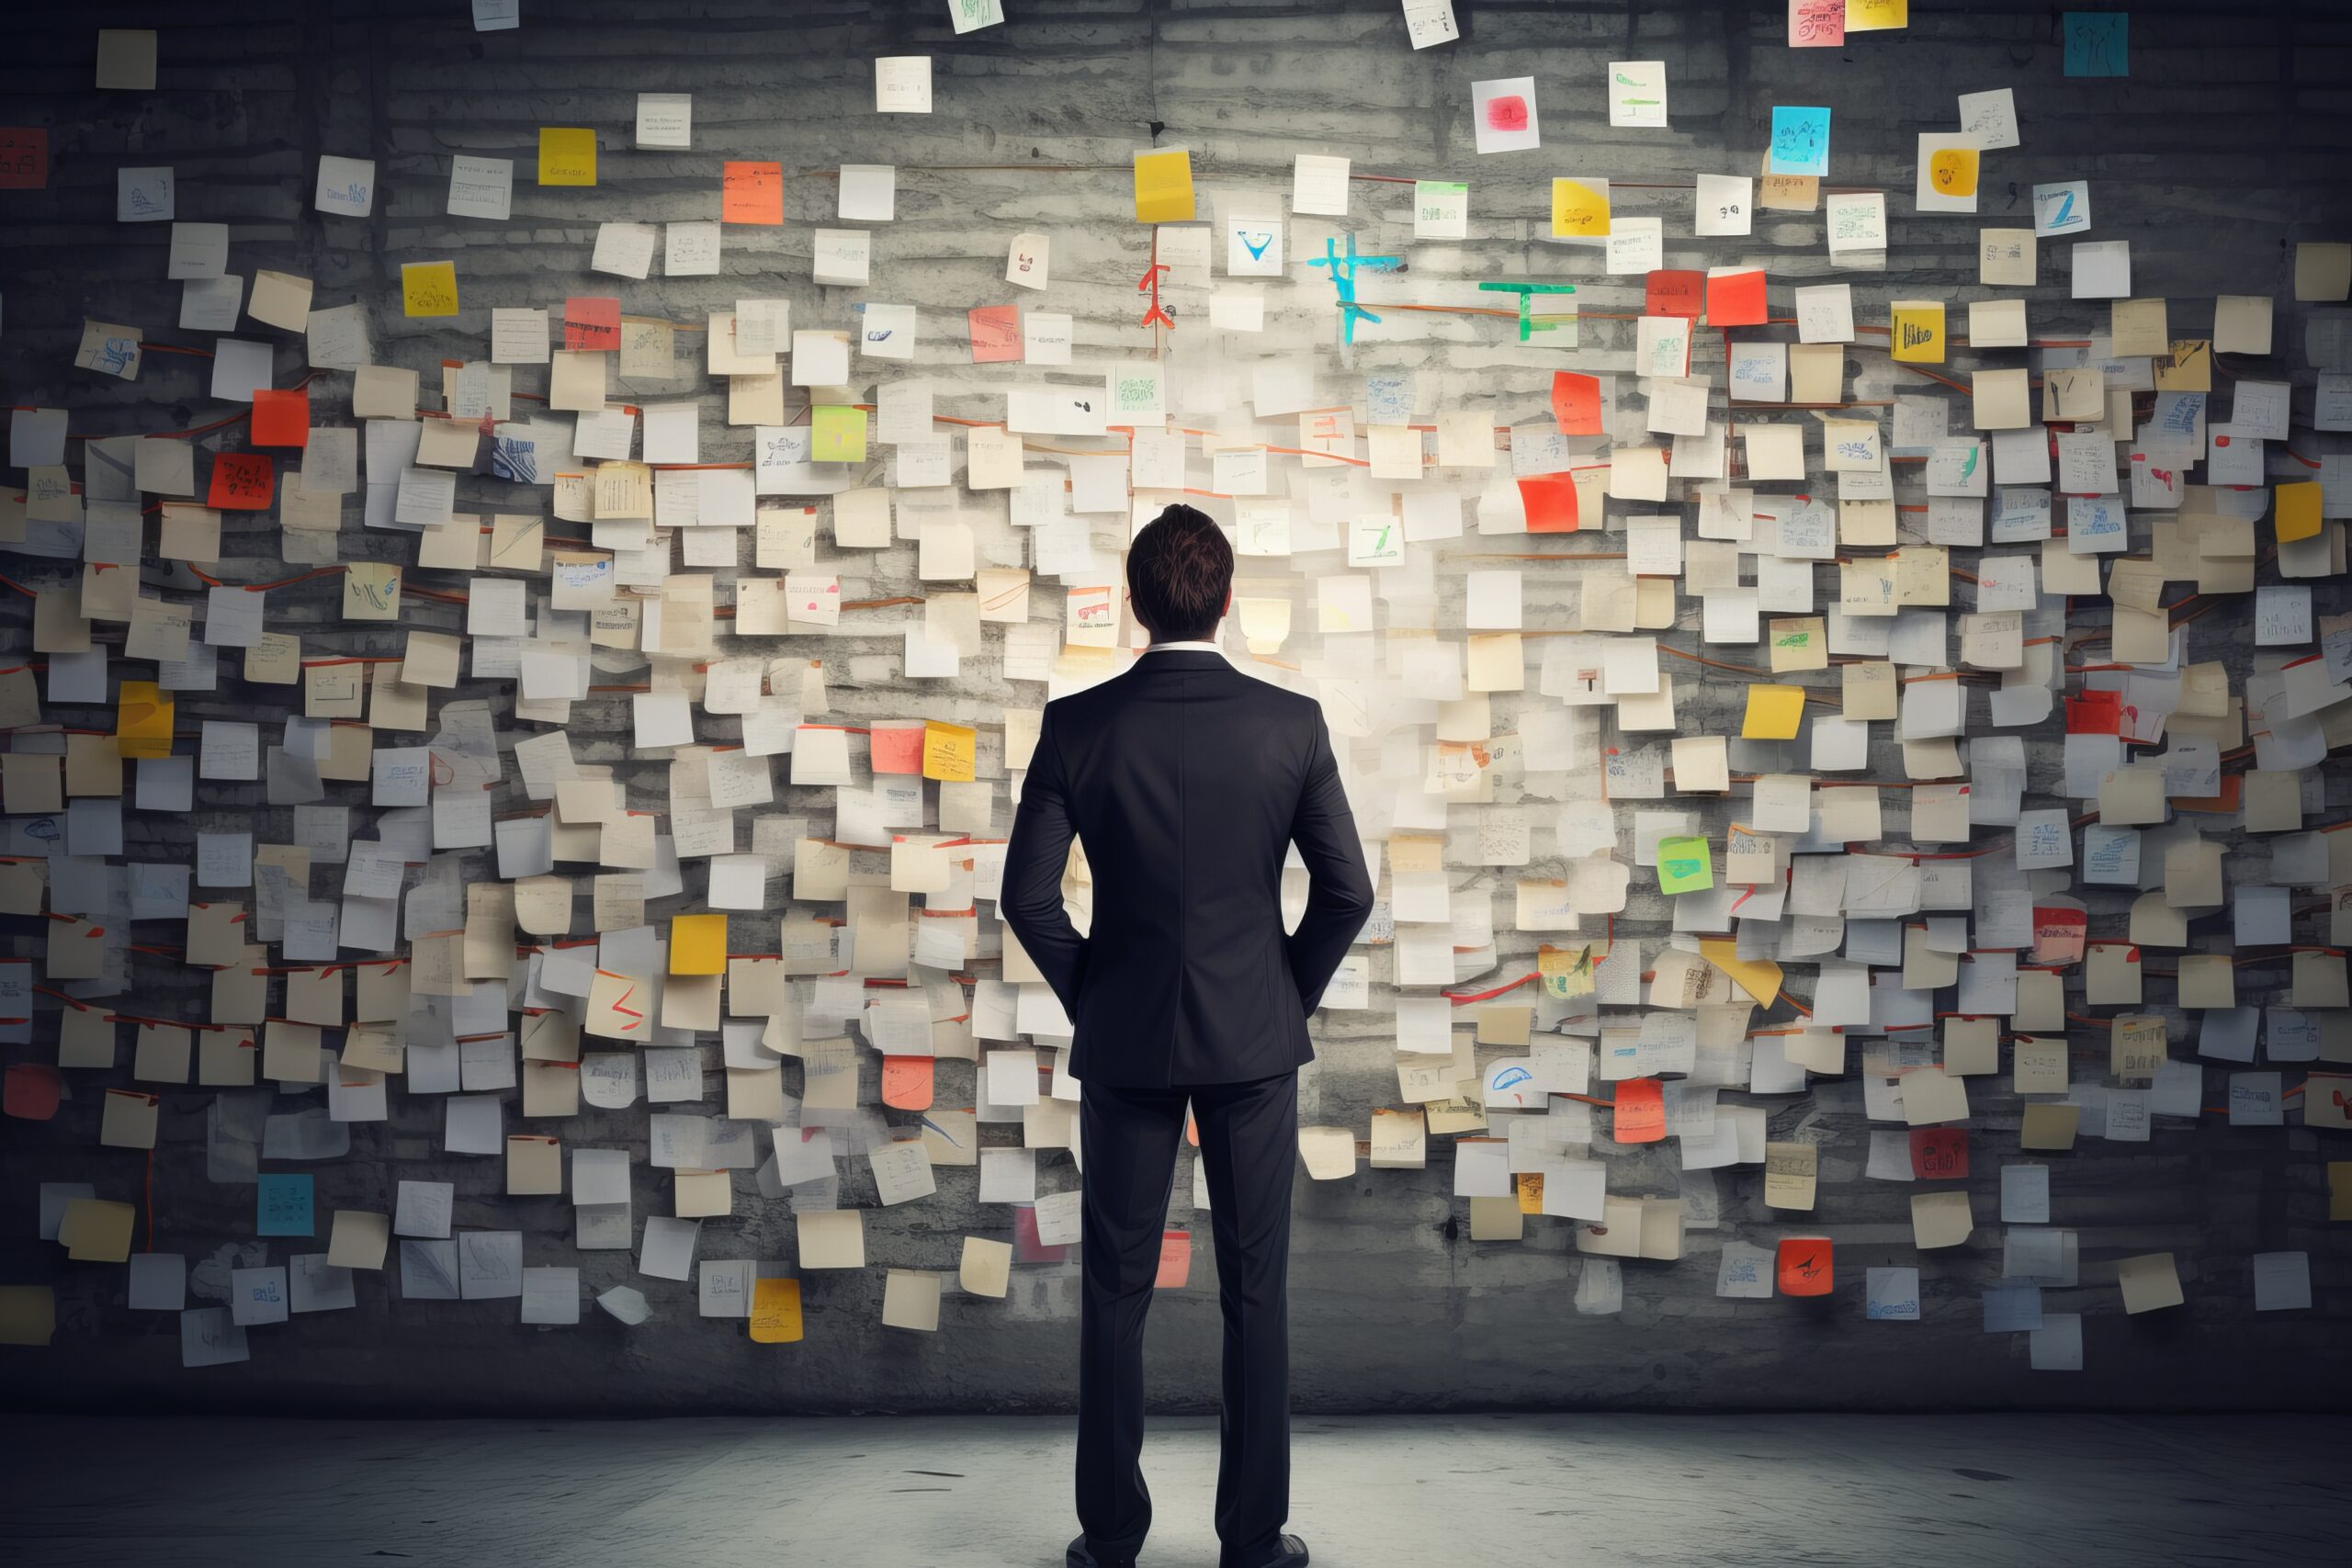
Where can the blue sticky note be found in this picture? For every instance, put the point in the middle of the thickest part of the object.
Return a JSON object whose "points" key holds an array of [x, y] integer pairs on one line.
{"points": [[2011, 1308], [282, 1205], [1800, 140], [2098, 43]]}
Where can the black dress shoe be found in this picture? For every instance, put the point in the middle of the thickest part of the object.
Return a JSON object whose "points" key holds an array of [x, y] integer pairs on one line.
{"points": [[1293, 1555], [1080, 1557]]}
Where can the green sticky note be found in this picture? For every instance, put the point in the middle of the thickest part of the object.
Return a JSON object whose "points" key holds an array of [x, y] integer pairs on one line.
{"points": [[839, 434], [1685, 866]]}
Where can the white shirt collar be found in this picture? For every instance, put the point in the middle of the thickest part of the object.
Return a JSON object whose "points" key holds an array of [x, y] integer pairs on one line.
{"points": [[1184, 648]]}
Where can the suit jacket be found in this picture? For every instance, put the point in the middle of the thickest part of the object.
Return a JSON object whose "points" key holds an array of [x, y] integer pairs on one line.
{"points": [[1187, 781]]}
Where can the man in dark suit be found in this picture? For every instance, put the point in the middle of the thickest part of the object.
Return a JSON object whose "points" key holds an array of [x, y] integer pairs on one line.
{"points": [[1187, 781]]}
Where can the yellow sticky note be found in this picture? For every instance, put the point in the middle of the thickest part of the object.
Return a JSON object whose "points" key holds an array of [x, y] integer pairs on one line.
{"points": [[1951, 171], [698, 944], [1579, 209], [776, 1311], [949, 751], [838, 433], [1919, 332], [1773, 713], [1872, 16], [97, 1231], [1164, 188], [567, 157], [428, 288], [1760, 977], [2298, 514], [2339, 1189], [28, 1314], [143, 725]]}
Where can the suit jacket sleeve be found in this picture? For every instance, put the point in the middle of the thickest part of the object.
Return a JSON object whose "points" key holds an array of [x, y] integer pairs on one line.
{"points": [[1338, 895], [1031, 899]]}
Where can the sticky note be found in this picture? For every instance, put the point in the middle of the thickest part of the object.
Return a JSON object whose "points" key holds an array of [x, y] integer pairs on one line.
{"points": [[1674, 291], [33, 1090], [282, 1203], [592, 323], [1579, 209], [1164, 188], [1760, 977], [1800, 140], [996, 333], [281, 418], [142, 720], [1772, 712], [1685, 866], [1874, 16], [895, 748], [1175, 1260], [1803, 1265], [2098, 43], [1640, 1115], [2298, 511], [698, 944], [568, 155], [837, 433], [1576, 402], [751, 192], [775, 1312], [1551, 503], [950, 752], [241, 482], [429, 289], [1951, 171], [906, 1082], [28, 1314], [1918, 332], [1737, 298], [24, 157], [96, 1230]]}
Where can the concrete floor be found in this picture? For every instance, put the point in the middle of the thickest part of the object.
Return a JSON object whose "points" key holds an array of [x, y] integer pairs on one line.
{"points": [[1369, 1492]]}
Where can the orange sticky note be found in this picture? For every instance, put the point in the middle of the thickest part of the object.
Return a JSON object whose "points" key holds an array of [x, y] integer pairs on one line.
{"points": [[1164, 188], [2298, 511], [241, 482], [1804, 1265], [1175, 1260], [897, 749], [752, 193], [1772, 712], [592, 323], [1673, 293], [1737, 298], [996, 333], [906, 1082], [775, 1312], [1576, 402], [1551, 503], [281, 418], [698, 944], [1641, 1112], [1951, 171], [567, 155]]}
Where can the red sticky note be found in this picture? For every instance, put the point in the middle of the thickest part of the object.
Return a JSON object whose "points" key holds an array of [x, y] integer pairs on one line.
{"points": [[752, 193], [1735, 299], [2095, 713], [1673, 294], [1507, 111], [241, 482], [1551, 503], [592, 323], [897, 750], [1576, 402], [2058, 933], [24, 157], [1026, 1247], [1175, 1260], [1804, 1265], [32, 1091], [281, 418], [1641, 1112], [996, 333], [1938, 1153]]}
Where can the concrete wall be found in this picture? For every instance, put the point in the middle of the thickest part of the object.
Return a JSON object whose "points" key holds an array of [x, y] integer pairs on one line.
{"points": [[2224, 147]]}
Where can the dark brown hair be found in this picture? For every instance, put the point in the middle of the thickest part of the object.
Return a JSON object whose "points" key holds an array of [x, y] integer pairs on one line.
{"points": [[1179, 572]]}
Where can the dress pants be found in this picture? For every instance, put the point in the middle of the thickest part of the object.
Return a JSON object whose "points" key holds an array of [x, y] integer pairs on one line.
{"points": [[1248, 1134]]}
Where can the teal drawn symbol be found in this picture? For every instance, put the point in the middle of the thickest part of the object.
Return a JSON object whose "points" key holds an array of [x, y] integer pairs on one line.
{"points": [[1343, 279], [1527, 291]]}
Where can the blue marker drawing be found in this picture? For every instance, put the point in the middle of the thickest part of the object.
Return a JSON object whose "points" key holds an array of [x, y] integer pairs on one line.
{"points": [[1800, 140], [1343, 279]]}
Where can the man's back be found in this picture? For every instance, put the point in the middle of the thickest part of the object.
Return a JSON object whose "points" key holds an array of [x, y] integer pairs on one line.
{"points": [[1187, 781]]}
